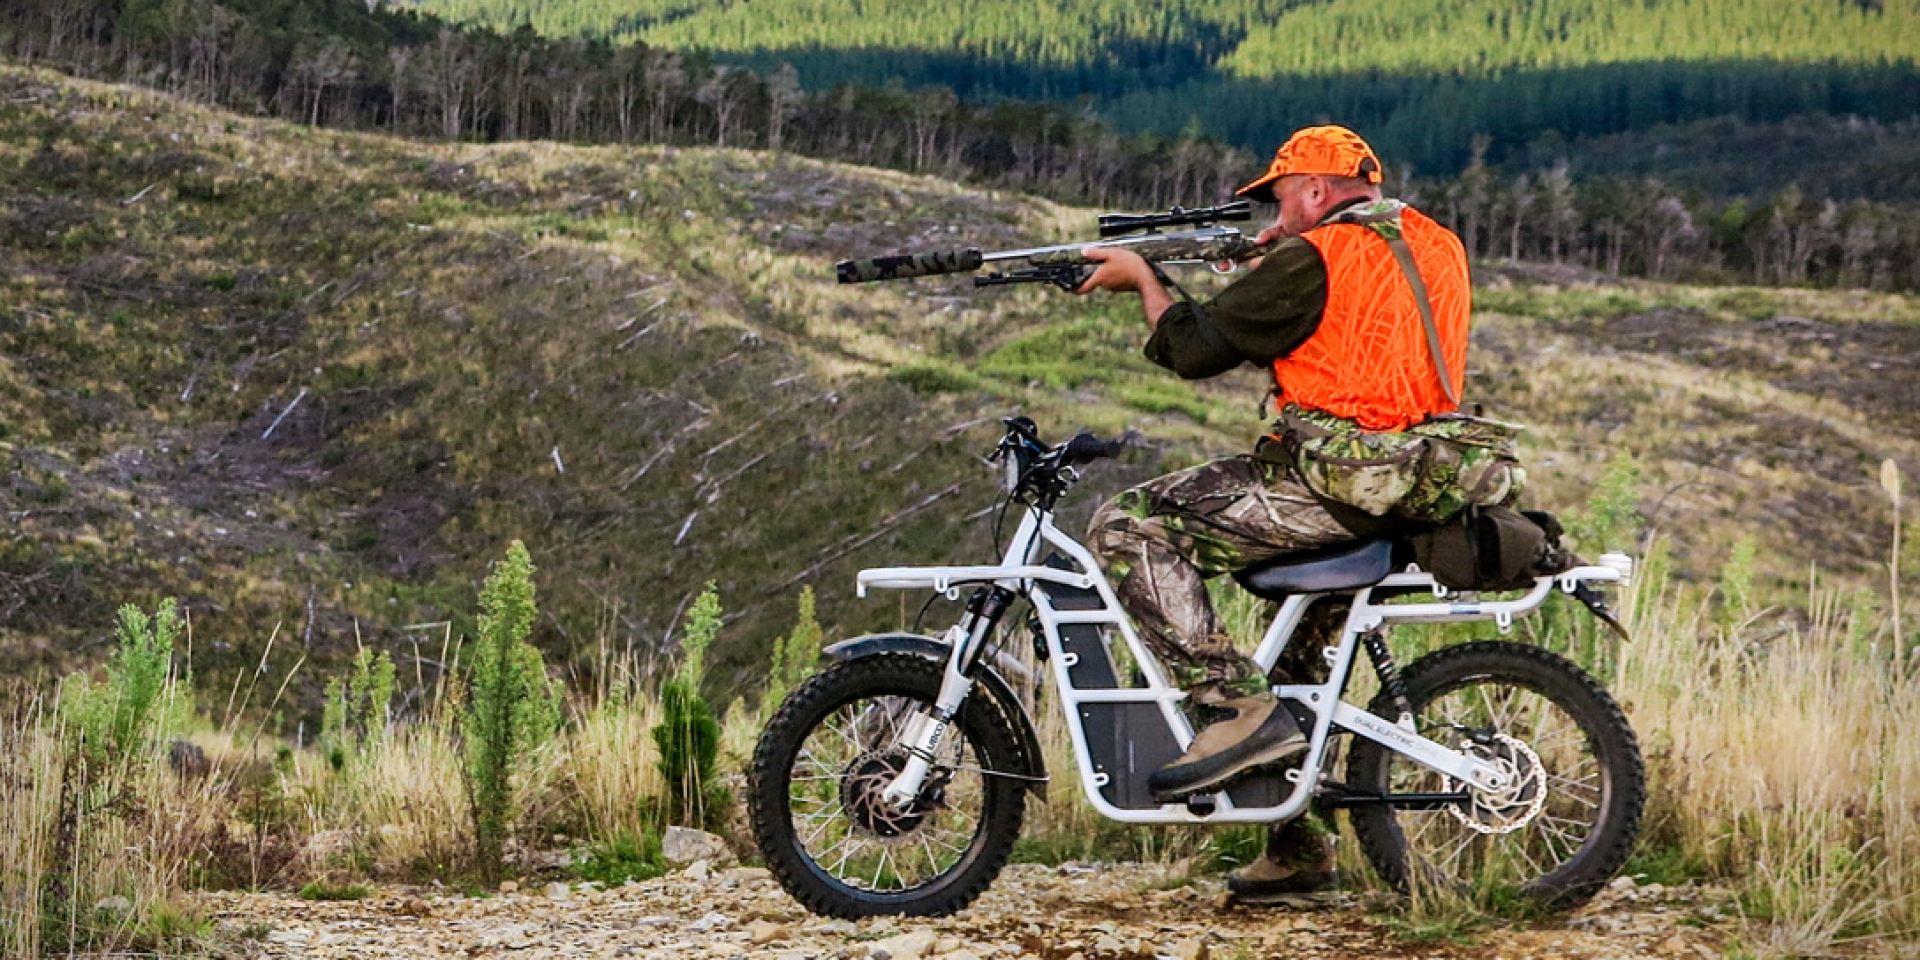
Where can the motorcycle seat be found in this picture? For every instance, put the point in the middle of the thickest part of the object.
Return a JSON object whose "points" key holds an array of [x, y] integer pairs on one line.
{"points": [[1345, 566]]}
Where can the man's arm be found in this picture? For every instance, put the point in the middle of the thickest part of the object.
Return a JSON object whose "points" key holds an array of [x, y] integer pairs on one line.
{"points": [[1122, 271], [1265, 314]]}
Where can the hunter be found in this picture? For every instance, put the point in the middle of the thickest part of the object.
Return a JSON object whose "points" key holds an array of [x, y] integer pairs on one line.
{"points": [[1360, 311]]}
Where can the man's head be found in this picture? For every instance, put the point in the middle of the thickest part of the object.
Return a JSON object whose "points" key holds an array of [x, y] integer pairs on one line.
{"points": [[1316, 170]]}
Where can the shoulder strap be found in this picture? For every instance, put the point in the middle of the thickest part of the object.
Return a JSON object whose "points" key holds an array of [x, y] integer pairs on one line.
{"points": [[1404, 256]]}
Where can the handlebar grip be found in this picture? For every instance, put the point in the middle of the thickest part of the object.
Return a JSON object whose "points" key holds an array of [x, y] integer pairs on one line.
{"points": [[1086, 448], [908, 265]]}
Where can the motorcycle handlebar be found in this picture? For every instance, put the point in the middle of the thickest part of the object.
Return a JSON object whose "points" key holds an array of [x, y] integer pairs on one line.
{"points": [[1086, 448]]}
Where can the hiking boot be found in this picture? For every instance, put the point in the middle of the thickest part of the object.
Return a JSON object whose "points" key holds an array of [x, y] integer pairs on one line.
{"points": [[1258, 733], [1264, 881]]}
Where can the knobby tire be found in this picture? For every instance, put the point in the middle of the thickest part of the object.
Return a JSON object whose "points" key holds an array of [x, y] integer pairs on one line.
{"points": [[811, 707], [1609, 738]]}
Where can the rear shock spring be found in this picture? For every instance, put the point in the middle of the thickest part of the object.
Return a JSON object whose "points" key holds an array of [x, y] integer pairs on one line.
{"points": [[1388, 671]]}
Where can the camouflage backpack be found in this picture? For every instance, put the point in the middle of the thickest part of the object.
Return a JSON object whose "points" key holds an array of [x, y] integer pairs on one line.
{"points": [[1429, 472]]}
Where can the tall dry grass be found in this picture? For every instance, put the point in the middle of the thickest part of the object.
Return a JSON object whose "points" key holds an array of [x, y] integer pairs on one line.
{"points": [[1782, 759], [94, 852]]}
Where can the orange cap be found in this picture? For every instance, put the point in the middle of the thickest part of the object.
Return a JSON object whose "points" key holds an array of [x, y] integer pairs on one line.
{"points": [[1331, 151]]}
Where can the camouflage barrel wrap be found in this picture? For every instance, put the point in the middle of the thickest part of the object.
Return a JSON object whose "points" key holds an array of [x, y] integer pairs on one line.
{"points": [[908, 265], [1214, 248], [1429, 472]]}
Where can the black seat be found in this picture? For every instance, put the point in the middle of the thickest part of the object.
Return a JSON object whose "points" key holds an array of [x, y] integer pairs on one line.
{"points": [[1343, 567]]}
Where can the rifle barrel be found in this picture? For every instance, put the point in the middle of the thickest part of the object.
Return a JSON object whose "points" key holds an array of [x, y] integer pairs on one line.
{"points": [[1201, 245]]}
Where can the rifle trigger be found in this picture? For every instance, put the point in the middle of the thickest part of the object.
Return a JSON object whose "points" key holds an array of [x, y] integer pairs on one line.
{"points": [[1223, 267]]}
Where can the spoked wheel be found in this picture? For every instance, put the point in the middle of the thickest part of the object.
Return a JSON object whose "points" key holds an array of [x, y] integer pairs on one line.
{"points": [[1576, 783], [818, 815]]}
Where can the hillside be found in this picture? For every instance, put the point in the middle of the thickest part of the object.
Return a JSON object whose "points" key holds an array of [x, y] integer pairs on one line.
{"points": [[1421, 78], [1255, 38], [312, 382]]}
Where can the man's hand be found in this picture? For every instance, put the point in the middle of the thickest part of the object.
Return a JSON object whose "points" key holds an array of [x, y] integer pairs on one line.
{"points": [[1121, 271], [1274, 231]]}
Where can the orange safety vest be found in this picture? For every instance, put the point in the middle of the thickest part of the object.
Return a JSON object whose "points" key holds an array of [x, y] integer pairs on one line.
{"points": [[1368, 360]]}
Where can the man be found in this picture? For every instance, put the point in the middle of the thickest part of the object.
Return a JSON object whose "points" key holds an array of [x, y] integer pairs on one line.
{"points": [[1335, 315]]}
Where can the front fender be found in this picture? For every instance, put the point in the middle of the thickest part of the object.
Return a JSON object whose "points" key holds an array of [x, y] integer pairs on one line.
{"points": [[1031, 763]]}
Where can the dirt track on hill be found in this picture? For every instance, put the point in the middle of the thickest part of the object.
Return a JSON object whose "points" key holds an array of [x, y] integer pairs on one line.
{"points": [[1098, 912]]}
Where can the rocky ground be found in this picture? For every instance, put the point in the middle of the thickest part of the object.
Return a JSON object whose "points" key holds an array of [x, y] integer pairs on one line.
{"points": [[1071, 912]]}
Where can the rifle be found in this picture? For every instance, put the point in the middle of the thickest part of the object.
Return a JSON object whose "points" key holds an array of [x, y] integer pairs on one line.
{"points": [[1063, 265]]}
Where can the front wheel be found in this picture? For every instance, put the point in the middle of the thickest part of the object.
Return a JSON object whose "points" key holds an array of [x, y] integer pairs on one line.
{"points": [[815, 795], [1578, 785]]}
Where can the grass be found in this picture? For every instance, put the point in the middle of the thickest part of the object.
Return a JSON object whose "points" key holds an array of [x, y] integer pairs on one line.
{"points": [[323, 890]]}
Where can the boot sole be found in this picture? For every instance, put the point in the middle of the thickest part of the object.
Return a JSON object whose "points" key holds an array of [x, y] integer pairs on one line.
{"points": [[1284, 750]]}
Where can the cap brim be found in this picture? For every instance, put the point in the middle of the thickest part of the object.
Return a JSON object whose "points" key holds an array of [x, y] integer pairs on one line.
{"points": [[1260, 190]]}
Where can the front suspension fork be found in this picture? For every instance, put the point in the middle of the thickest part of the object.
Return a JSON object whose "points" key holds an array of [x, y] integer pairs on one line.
{"points": [[928, 728]]}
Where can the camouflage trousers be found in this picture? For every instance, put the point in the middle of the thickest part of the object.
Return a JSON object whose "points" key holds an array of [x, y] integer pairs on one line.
{"points": [[1161, 541]]}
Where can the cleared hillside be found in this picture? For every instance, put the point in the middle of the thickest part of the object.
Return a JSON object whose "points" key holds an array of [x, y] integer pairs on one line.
{"points": [[312, 382]]}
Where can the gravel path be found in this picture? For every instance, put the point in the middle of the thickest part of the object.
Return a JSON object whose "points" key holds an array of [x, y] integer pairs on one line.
{"points": [[1073, 912]]}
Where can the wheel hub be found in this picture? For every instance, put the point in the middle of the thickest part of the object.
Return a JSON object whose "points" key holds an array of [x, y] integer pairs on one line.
{"points": [[1512, 806], [861, 789]]}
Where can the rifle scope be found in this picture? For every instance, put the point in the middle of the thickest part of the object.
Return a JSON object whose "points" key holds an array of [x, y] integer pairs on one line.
{"points": [[1114, 224]]}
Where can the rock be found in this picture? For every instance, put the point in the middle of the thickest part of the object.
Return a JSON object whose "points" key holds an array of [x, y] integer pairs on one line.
{"points": [[765, 931], [911, 945], [945, 945], [961, 954], [413, 907], [558, 891], [1108, 945], [115, 904], [682, 846], [509, 886], [290, 938], [699, 872], [1188, 949], [712, 921], [748, 874]]}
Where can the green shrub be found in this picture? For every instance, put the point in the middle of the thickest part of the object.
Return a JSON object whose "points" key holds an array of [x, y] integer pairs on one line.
{"points": [[688, 736], [323, 890], [794, 655], [623, 857], [1611, 516], [137, 705], [355, 716], [511, 708], [1736, 581]]}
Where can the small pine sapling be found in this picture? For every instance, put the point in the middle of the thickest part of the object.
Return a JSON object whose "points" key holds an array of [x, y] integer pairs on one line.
{"points": [[511, 709], [355, 715], [138, 701], [794, 655], [688, 736]]}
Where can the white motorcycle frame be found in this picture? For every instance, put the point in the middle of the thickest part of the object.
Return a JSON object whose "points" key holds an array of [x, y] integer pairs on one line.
{"points": [[1018, 571]]}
